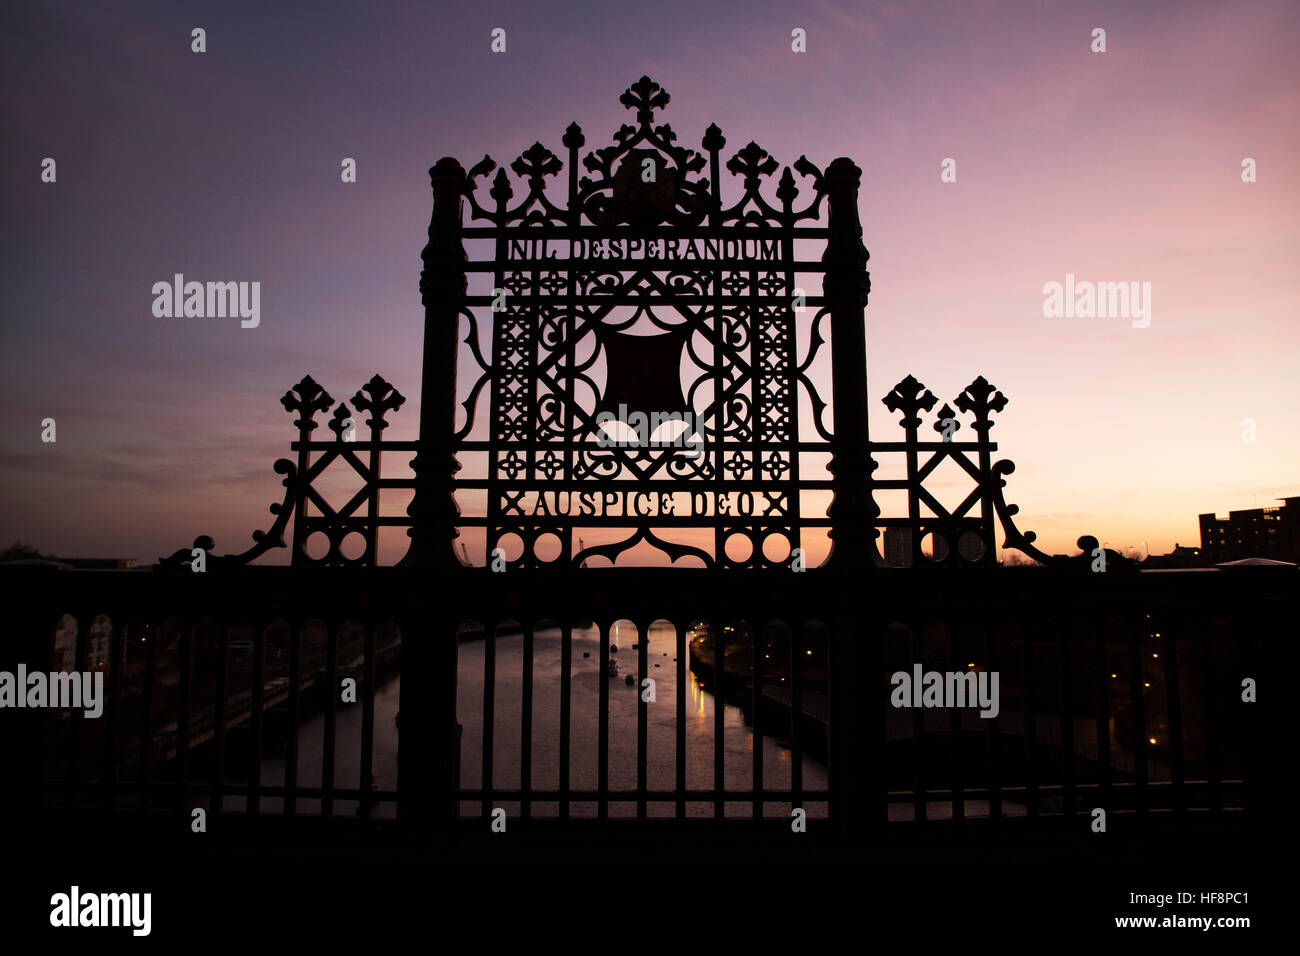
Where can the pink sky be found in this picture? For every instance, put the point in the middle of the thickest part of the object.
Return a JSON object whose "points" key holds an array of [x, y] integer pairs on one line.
{"points": [[1122, 166]]}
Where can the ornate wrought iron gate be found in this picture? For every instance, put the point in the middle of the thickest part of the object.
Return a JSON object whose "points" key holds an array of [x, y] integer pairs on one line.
{"points": [[644, 365], [647, 353]]}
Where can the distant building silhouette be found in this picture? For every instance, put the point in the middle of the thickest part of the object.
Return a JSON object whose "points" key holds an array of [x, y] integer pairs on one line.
{"points": [[898, 547], [1180, 557], [1253, 533]]}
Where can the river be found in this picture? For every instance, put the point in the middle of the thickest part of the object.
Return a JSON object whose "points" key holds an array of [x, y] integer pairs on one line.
{"points": [[586, 677]]}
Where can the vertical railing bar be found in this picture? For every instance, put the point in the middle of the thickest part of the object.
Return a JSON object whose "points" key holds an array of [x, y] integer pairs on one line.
{"points": [[955, 725], [447, 716], [1031, 721], [291, 718], [254, 804], [329, 744], [1210, 708], [1103, 717], [80, 649], [489, 711], [796, 715], [719, 722], [1142, 794], [840, 811], [920, 802], [1067, 719], [218, 803], [1174, 720], [368, 721], [116, 655], [526, 727], [1247, 641], [994, 731], [566, 718], [679, 630], [146, 717], [642, 715], [602, 732], [757, 642], [874, 720], [183, 711]]}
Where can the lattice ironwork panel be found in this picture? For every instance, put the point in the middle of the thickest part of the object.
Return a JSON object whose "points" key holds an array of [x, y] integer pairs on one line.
{"points": [[648, 347]]}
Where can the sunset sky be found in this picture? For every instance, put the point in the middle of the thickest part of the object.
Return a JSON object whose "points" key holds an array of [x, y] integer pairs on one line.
{"points": [[1116, 166]]}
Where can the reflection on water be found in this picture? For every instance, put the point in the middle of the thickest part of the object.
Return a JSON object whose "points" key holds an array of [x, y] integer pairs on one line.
{"points": [[661, 768], [347, 758]]}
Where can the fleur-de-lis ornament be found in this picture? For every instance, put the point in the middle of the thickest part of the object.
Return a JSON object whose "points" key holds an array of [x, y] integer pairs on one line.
{"points": [[645, 96], [752, 162], [910, 397], [378, 397], [981, 399], [306, 399]]}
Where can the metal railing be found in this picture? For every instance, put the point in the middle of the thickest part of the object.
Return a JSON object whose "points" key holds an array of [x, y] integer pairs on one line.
{"points": [[1121, 692]]}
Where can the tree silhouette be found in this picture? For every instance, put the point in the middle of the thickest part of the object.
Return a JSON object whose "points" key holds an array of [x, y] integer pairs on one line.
{"points": [[20, 550]]}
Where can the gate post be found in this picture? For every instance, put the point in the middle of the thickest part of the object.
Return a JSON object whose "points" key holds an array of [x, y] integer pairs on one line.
{"points": [[856, 665], [442, 290], [428, 694], [846, 284]]}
